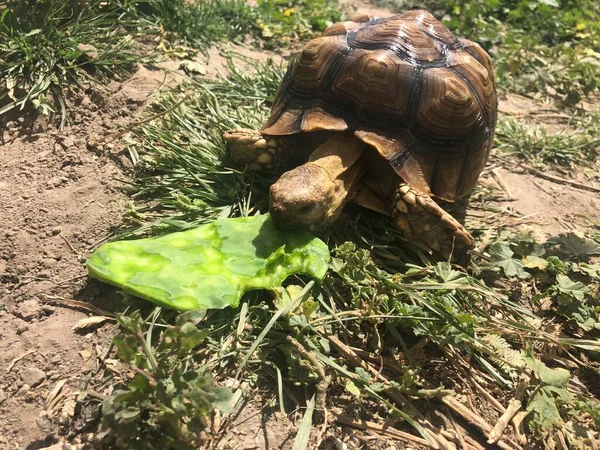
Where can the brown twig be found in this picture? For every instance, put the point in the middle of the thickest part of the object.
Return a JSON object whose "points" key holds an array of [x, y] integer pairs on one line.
{"points": [[554, 178], [513, 408], [19, 358], [79, 305], [459, 436], [455, 359], [383, 429], [517, 421], [476, 420], [352, 357], [69, 244], [542, 188], [485, 241], [97, 395], [538, 115], [468, 444], [496, 175]]}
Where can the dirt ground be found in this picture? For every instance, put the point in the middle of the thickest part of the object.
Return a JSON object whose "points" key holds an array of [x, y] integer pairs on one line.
{"points": [[59, 200]]}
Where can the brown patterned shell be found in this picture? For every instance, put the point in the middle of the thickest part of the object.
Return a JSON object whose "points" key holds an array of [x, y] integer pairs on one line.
{"points": [[406, 85]]}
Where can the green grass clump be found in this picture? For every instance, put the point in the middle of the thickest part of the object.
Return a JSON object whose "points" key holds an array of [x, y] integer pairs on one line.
{"points": [[181, 158], [201, 22], [575, 145], [47, 47], [388, 335], [273, 22]]}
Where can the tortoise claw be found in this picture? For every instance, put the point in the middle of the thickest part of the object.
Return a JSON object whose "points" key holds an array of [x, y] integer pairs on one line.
{"points": [[422, 220]]}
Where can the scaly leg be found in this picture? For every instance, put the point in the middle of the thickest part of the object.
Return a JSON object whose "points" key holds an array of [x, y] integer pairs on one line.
{"points": [[421, 219], [249, 147]]}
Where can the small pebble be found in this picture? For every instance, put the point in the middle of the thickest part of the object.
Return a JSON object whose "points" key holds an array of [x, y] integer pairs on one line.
{"points": [[33, 376], [49, 263], [56, 230], [24, 390]]}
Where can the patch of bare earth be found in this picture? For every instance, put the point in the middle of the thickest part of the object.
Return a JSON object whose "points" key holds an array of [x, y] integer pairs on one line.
{"points": [[58, 201]]}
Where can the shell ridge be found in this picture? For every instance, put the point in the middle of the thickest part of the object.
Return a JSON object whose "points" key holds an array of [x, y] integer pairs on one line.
{"points": [[434, 170], [415, 94]]}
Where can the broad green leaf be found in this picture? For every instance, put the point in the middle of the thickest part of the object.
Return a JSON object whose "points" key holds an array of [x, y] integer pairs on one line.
{"points": [[503, 257], [591, 270], [575, 289], [127, 415], [309, 307], [353, 389], [544, 407], [576, 244], [445, 272], [211, 266], [286, 295], [535, 262], [553, 377]]}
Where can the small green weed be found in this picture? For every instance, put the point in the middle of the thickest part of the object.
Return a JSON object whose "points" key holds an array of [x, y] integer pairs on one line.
{"points": [[48, 46], [566, 284], [164, 404]]}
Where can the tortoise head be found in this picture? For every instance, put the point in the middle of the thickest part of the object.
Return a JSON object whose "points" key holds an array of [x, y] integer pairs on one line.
{"points": [[306, 198], [312, 195]]}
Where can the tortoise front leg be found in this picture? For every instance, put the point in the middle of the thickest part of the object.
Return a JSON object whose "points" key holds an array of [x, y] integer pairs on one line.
{"points": [[421, 219], [257, 152]]}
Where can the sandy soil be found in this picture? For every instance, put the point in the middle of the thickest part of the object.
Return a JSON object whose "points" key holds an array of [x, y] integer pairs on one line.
{"points": [[59, 200]]}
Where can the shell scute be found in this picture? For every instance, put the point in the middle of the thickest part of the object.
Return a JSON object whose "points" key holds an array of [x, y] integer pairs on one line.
{"points": [[375, 86], [447, 110], [403, 37]]}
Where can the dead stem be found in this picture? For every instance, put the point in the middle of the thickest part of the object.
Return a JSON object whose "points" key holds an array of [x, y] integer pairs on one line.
{"points": [[382, 429], [513, 408]]}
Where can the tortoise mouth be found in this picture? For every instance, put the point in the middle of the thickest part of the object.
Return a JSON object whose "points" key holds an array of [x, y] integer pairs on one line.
{"points": [[283, 222], [286, 220]]}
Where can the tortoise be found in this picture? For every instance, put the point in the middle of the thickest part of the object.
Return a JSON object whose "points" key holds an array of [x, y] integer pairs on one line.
{"points": [[396, 114]]}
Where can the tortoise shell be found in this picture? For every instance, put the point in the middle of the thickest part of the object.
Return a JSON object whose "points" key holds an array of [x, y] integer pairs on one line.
{"points": [[423, 98]]}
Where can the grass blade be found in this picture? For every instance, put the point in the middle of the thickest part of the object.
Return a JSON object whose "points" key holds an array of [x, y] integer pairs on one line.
{"points": [[303, 435]]}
